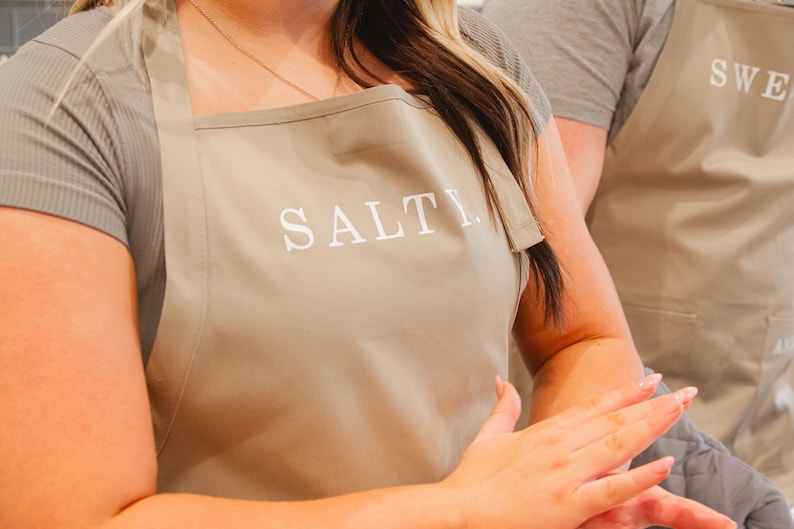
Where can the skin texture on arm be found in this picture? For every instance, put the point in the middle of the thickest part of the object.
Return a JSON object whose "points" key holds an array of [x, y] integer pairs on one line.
{"points": [[82, 455], [585, 147], [593, 351], [72, 388]]}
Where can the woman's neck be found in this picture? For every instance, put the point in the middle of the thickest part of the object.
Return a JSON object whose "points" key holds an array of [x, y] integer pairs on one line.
{"points": [[288, 48], [293, 20]]}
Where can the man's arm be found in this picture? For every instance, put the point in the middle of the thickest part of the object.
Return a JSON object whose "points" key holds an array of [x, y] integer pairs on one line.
{"points": [[584, 147]]}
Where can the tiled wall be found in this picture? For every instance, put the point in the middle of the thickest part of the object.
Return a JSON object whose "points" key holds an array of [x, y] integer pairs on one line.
{"points": [[21, 20]]}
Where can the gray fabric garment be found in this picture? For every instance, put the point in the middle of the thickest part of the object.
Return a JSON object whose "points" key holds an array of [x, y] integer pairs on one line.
{"points": [[97, 160], [606, 70], [706, 472]]}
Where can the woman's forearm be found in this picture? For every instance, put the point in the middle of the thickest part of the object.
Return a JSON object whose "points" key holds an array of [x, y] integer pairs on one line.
{"points": [[580, 373], [417, 507]]}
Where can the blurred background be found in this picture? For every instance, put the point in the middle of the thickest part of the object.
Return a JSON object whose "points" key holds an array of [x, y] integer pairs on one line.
{"points": [[21, 20]]}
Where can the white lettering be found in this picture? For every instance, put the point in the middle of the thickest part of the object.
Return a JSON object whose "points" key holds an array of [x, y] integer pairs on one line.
{"points": [[775, 87], [453, 194], [289, 226], [783, 346], [342, 231], [339, 215], [744, 77], [382, 235], [719, 75], [420, 209]]}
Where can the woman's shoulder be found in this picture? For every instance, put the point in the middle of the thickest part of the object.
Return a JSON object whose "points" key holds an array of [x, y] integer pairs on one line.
{"points": [[70, 37], [74, 35], [93, 122], [487, 38], [63, 59], [491, 42]]}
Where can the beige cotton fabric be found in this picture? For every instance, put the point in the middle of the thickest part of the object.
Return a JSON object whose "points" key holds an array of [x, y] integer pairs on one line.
{"points": [[695, 218], [338, 299]]}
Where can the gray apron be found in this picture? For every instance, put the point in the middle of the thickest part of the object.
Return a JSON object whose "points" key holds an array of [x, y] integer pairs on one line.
{"points": [[695, 218], [338, 299]]}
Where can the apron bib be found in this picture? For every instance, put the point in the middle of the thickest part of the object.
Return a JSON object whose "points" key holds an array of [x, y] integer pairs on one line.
{"points": [[695, 218], [338, 297]]}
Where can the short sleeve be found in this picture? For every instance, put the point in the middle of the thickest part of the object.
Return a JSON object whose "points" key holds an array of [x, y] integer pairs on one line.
{"points": [[489, 40], [62, 160], [580, 50]]}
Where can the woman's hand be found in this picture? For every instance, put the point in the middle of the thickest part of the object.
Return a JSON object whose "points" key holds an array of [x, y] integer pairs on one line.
{"points": [[656, 506], [558, 472]]}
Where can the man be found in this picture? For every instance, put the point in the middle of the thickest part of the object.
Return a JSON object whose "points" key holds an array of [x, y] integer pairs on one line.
{"points": [[677, 118]]}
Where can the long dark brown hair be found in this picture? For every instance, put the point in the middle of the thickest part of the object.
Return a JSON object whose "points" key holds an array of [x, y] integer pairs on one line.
{"points": [[398, 33]]}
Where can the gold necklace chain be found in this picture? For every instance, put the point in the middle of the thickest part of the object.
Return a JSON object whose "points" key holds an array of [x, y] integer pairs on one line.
{"points": [[259, 61]]}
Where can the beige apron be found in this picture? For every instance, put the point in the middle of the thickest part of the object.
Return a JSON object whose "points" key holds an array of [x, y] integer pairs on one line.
{"points": [[338, 300], [695, 218]]}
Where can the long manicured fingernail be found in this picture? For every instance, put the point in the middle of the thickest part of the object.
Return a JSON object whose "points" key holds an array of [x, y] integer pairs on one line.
{"points": [[665, 464], [686, 395], [500, 386], [681, 400], [650, 382]]}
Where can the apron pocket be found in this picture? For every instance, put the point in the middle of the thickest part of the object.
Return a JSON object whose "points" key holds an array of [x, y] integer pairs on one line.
{"points": [[663, 339], [767, 442]]}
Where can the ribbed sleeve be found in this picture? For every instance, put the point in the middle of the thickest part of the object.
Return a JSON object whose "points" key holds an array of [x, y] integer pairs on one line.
{"points": [[93, 159], [488, 39]]}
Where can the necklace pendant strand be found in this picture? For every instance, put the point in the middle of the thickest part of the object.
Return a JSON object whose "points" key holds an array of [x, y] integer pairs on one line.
{"points": [[260, 62]]}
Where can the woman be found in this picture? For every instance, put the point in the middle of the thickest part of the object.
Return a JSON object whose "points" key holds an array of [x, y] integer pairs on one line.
{"points": [[322, 209]]}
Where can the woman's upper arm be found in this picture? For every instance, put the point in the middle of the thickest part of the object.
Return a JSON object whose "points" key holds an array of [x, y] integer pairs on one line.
{"points": [[77, 445], [592, 309]]}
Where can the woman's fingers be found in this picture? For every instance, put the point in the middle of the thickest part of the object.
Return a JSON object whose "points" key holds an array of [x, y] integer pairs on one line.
{"points": [[662, 406], [657, 507], [608, 441], [665, 509], [610, 491], [609, 402], [558, 467], [505, 414]]}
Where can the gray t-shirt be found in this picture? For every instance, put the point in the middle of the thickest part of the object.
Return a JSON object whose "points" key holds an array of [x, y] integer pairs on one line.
{"points": [[96, 161], [593, 58]]}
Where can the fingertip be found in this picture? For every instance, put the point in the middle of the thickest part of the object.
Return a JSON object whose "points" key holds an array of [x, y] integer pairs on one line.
{"points": [[665, 465], [510, 390], [685, 396], [506, 412], [650, 382], [500, 386], [658, 470], [510, 399]]}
